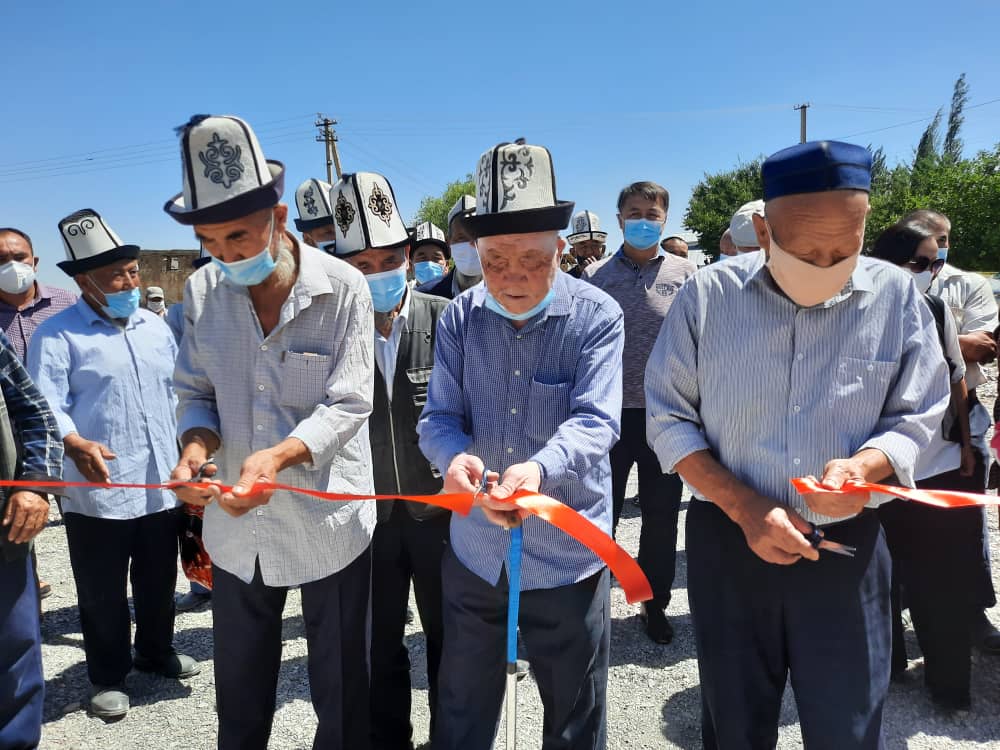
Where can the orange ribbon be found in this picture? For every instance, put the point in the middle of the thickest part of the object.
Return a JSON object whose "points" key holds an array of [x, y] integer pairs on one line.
{"points": [[633, 581], [938, 498]]}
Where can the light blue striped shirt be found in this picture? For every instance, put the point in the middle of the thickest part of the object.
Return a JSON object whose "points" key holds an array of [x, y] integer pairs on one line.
{"points": [[112, 384], [550, 392], [775, 391]]}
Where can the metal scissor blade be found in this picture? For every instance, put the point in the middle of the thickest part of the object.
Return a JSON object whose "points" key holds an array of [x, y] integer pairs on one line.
{"points": [[838, 548]]}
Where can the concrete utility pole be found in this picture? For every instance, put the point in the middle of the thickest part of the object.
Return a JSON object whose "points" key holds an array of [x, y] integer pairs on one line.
{"points": [[802, 121], [328, 136]]}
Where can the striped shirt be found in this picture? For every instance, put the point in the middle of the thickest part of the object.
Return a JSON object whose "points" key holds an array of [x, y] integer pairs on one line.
{"points": [[549, 392], [19, 325], [310, 378], [31, 420], [775, 391]]}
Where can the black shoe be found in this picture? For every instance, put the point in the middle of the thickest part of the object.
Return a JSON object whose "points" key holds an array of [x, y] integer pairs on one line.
{"points": [[44, 590], [191, 601], [952, 703], [176, 666], [985, 635], [658, 627]]}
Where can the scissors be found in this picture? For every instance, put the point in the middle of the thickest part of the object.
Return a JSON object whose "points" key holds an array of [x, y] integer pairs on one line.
{"points": [[484, 486], [816, 539]]}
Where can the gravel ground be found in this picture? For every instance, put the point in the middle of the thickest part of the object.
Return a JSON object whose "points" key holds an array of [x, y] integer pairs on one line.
{"points": [[653, 690]]}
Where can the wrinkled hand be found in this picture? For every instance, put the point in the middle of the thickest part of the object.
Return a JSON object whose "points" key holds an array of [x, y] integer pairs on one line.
{"points": [[774, 532], [496, 505], [584, 262], [978, 347], [27, 513], [186, 471], [261, 466], [836, 474], [968, 466], [465, 473], [89, 457]]}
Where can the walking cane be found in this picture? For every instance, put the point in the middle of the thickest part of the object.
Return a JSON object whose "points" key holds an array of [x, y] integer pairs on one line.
{"points": [[513, 606]]}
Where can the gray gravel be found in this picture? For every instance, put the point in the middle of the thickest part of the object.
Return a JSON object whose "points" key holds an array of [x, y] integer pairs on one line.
{"points": [[653, 690]]}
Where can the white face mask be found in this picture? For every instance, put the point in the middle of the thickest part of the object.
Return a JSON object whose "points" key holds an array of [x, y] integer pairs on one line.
{"points": [[466, 259], [16, 277], [155, 305], [805, 284]]}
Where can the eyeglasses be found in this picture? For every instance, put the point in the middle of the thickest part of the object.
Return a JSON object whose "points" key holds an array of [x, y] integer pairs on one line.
{"points": [[921, 263]]}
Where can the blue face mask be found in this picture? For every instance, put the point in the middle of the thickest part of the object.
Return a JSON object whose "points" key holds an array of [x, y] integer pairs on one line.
{"points": [[642, 234], [120, 304], [251, 271], [427, 270], [943, 254], [387, 288], [492, 304]]}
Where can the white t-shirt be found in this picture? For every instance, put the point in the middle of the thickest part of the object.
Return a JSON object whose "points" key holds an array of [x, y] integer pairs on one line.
{"points": [[971, 301], [944, 455]]}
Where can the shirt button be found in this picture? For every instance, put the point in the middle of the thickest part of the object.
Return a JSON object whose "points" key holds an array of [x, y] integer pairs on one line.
{"points": [[871, 367], [517, 373], [513, 411], [800, 356], [260, 427], [796, 461], [263, 347], [510, 450], [796, 408], [260, 511], [260, 386], [518, 337]]}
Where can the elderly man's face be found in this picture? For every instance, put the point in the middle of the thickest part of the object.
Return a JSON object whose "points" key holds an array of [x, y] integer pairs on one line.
{"points": [[676, 247], [377, 260], [429, 254], [314, 237], [819, 228], [245, 237], [589, 249], [519, 269]]}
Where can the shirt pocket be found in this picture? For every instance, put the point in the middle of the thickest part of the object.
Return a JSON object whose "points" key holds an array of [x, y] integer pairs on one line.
{"points": [[548, 407], [303, 379], [860, 387], [419, 378]]}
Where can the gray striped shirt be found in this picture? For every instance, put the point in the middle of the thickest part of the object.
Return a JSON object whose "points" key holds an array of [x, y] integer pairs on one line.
{"points": [[775, 391]]}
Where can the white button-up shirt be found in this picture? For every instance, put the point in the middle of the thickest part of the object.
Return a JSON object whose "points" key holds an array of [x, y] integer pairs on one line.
{"points": [[971, 301], [386, 349], [310, 378]]}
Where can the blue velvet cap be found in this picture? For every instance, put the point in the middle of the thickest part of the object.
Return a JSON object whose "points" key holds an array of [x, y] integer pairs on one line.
{"points": [[816, 167]]}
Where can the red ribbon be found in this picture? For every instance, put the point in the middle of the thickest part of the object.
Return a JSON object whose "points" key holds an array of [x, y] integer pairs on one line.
{"points": [[938, 498], [633, 581]]}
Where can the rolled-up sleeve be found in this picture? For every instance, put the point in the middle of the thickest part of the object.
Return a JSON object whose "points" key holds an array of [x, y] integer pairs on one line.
{"points": [[673, 424], [594, 424], [918, 396], [196, 406], [349, 387], [443, 429]]}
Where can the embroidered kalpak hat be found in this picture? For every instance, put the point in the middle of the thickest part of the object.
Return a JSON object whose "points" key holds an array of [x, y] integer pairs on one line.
{"points": [[226, 176], [429, 234], [365, 214], [464, 206], [90, 243], [586, 226], [312, 199], [516, 192]]}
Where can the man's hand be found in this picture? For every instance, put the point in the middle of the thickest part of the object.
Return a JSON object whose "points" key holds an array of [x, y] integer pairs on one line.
{"points": [[27, 514], [978, 347], [465, 473], [497, 507], [584, 262], [260, 467], [774, 532], [836, 474], [89, 457], [968, 466], [193, 458]]}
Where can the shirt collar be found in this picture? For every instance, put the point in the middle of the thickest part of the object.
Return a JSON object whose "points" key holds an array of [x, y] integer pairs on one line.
{"points": [[312, 279], [658, 258], [91, 316], [560, 304], [860, 281]]}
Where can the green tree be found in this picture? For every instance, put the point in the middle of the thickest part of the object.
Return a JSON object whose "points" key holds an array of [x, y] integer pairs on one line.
{"points": [[716, 198], [952, 150], [435, 209]]}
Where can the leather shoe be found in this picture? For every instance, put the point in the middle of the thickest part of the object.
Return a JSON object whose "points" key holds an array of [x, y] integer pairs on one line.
{"points": [[985, 635], [658, 627], [109, 702], [191, 601], [175, 666]]}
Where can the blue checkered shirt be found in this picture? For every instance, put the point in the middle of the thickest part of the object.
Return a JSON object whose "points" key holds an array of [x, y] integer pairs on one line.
{"points": [[550, 392]]}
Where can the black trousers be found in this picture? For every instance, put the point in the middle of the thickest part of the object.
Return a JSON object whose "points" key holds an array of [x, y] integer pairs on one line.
{"points": [[659, 502], [938, 563], [247, 633], [566, 633], [100, 552], [403, 549], [825, 623]]}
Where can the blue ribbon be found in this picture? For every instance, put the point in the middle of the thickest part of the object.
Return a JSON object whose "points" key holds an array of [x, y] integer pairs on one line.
{"points": [[513, 593]]}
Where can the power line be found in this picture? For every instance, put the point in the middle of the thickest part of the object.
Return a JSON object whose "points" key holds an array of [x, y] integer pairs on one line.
{"points": [[912, 122]]}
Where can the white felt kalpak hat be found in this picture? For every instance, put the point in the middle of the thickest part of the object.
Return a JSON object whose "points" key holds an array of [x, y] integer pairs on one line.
{"points": [[312, 199], [516, 192], [366, 214], [464, 206], [226, 176], [586, 226], [430, 234], [90, 243], [741, 226]]}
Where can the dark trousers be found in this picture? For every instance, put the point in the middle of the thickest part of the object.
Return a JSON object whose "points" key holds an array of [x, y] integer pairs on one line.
{"points": [[659, 501], [403, 549], [22, 687], [938, 564], [100, 552], [825, 623], [566, 633], [247, 634]]}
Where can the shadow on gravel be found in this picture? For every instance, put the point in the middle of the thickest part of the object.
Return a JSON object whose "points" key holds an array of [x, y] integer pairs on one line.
{"points": [[631, 645], [681, 718], [62, 621]]}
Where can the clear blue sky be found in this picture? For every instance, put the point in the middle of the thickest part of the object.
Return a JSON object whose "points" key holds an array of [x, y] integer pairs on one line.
{"points": [[618, 92]]}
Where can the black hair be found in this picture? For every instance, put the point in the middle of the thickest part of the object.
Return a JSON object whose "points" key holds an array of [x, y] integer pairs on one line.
{"points": [[673, 237], [648, 190], [23, 235], [898, 244]]}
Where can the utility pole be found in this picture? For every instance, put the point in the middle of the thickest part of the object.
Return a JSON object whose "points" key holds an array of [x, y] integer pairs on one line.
{"points": [[328, 136], [802, 120]]}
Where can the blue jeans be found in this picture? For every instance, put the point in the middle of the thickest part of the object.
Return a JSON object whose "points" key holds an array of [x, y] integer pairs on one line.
{"points": [[22, 687]]}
